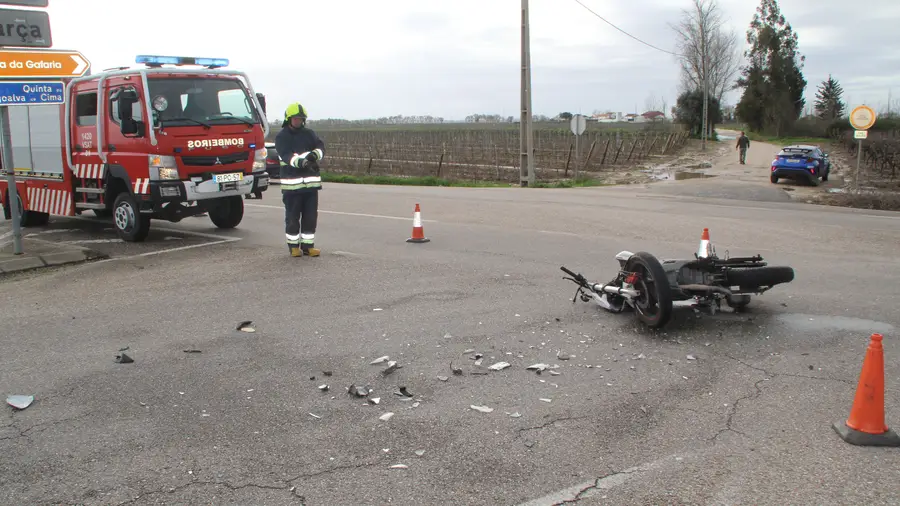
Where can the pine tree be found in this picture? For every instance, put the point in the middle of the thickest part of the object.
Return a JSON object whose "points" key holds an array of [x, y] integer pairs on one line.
{"points": [[829, 105], [773, 79]]}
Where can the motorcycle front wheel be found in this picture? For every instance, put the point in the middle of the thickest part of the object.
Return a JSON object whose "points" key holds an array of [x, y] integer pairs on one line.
{"points": [[654, 305]]}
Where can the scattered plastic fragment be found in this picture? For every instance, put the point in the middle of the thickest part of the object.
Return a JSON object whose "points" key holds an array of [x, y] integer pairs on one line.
{"points": [[469, 350], [380, 360], [358, 391], [515, 415], [483, 409], [122, 358], [420, 452], [563, 356], [691, 357], [399, 466], [314, 415], [385, 417], [20, 401], [374, 400], [457, 371], [392, 366], [547, 400], [246, 326], [537, 367], [443, 378], [324, 388], [377, 309], [327, 373], [403, 392], [499, 366], [556, 373], [447, 336], [192, 351]]}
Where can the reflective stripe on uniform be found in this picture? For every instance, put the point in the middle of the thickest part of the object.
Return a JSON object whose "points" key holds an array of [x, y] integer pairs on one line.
{"points": [[307, 238], [293, 239], [319, 152], [302, 180], [295, 160]]}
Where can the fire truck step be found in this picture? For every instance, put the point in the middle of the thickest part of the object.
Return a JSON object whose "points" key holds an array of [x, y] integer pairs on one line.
{"points": [[96, 191], [89, 205]]}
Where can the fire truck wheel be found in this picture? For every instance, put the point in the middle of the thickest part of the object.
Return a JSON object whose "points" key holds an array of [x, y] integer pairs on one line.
{"points": [[227, 212], [131, 226]]}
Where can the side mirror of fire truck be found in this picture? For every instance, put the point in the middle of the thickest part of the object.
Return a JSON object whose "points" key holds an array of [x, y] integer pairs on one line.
{"points": [[262, 101], [126, 100]]}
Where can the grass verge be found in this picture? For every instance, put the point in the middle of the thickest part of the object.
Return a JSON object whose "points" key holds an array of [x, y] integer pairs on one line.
{"points": [[329, 177]]}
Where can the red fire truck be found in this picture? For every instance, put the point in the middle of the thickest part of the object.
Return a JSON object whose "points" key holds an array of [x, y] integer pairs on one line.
{"points": [[160, 142]]}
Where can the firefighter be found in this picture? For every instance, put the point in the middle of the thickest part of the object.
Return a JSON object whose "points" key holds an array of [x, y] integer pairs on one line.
{"points": [[300, 150]]}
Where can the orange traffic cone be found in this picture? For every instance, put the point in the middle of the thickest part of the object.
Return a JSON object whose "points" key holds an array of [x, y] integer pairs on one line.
{"points": [[865, 426], [704, 250], [418, 232]]}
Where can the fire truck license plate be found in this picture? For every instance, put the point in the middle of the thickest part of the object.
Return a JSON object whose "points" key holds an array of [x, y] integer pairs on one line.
{"points": [[228, 178]]}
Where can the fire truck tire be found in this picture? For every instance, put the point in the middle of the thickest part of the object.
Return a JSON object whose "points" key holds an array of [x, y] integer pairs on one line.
{"points": [[227, 212], [131, 225], [26, 218]]}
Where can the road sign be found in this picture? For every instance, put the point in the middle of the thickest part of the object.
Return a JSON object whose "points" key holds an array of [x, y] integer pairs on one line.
{"points": [[578, 124], [862, 117], [25, 64], [28, 3], [861, 134], [25, 28], [31, 92]]}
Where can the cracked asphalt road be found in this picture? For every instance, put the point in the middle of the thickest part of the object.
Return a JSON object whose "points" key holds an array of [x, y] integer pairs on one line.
{"points": [[630, 419]]}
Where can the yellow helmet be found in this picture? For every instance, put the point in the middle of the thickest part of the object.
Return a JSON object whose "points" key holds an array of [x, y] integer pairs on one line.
{"points": [[294, 109]]}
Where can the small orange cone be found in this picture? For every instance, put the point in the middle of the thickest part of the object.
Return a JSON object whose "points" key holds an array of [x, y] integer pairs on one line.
{"points": [[865, 426], [418, 232], [704, 249]]}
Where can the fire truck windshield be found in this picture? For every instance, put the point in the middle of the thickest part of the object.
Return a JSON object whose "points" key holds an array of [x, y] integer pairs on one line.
{"points": [[183, 101]]}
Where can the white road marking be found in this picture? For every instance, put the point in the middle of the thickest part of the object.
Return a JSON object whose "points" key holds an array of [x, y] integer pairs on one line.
{"points": [[5, 235], [280, 208], [611, 481], [92, 241]]}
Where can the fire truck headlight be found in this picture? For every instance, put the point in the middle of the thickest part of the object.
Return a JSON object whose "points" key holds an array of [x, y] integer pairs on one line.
{"points": [[162, 167], [259, 160]]}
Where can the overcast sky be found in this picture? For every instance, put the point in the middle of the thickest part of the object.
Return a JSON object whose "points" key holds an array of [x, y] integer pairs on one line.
{"points": [[358, 58]]}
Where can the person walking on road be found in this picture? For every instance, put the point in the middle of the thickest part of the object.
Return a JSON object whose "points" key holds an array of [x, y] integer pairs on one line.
{"points": [[743, 143], [300, 150]]}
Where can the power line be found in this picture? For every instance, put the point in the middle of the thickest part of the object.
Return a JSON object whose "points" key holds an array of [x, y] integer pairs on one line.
{"points": [[626, 33]]}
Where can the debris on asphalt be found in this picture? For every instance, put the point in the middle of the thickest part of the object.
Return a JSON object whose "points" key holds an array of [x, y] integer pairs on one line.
{"points": [[420, 452], [20, 401], [385, 417], [537, 367], [327, 373], [192, 351], [125, 348], [470, 350], [246, 326], [324, 387], [399, 466], [403, 392], [483, 409], [122, 358], [374, 400], [380, 360], [392, 366], [447, 336], [457, 371], [314, 415], [563, 356], [477, 356], [499, 366], [358, 391], [547, 400], [691, 357], [515, 415], [443, 378]]}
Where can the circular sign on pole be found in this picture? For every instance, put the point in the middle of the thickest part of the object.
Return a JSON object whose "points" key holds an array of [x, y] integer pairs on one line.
{"points": [[862, 117], [578, 124]]}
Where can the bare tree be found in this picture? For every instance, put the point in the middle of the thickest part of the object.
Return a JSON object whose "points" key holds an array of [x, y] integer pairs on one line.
{"points": [[708, 54]]}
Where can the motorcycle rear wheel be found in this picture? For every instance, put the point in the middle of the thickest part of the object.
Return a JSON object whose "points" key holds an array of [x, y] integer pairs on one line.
{"points": [[654, 306], [758, 277]]}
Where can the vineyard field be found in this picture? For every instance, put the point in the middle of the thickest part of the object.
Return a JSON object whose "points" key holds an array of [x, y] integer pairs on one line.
{"points": [[880, 157], [491, 154]]}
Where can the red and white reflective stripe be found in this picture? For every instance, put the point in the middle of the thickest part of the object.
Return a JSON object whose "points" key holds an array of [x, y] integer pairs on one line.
{"points": [[89, 170], [417, 219], [142, 185], [45, 200]]}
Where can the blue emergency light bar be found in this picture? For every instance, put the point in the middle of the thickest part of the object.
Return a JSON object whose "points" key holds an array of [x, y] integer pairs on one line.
{"points": [[155, 61]]}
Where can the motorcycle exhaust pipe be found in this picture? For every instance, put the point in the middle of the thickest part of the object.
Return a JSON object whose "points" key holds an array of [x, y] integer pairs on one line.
{"points": [[625, 292], [705, 288]]}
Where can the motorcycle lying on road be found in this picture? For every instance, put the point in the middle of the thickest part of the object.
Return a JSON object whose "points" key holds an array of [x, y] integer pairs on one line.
{"points": [[652, 288]]}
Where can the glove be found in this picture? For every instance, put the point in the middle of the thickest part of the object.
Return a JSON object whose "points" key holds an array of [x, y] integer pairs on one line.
{"points": [[312, 156]]}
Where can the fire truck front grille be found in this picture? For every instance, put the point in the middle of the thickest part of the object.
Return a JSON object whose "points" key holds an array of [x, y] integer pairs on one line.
{"points": [[209, 161]]}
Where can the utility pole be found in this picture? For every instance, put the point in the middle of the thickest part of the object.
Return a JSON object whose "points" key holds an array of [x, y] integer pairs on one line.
{"points": [[526, 139], [704, 48]]}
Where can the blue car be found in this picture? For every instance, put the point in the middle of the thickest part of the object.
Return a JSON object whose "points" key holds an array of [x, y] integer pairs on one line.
{"points": [[801, 163]]}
